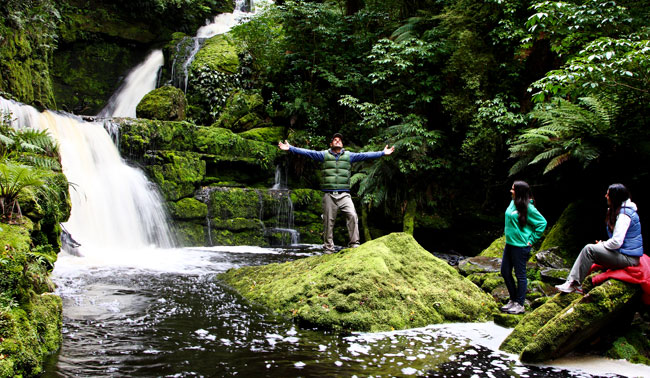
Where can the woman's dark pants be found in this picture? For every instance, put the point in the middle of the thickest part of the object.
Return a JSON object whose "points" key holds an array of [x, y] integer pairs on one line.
{"points": [[515, 257]]}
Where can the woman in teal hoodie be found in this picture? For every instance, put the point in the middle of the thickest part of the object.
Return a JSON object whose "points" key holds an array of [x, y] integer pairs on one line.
{"points": [[523, 227]]}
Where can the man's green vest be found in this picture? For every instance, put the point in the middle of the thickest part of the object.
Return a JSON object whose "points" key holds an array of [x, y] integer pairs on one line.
{"points": [[336, 173]]}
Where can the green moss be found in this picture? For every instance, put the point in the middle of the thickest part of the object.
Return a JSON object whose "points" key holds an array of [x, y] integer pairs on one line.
{"points": [[238, 224], [495, 249], [166, 103], [228, 203], [218, 53], [243, 111], [188, 208], [190, 233], [579, 321], [227, 237], [177, 173], [388, 283], [527, 328], [140, 135], [85, 74], [571, 231], [268, 135]]}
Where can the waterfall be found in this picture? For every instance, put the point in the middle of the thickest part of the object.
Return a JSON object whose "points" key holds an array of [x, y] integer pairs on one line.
{"points": [[114, 207], [284, 230], [141, 80]]}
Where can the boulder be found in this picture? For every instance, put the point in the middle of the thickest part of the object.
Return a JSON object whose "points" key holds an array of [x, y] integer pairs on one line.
{"points": [[495, 249], [568, 320], [166, 103], [387, 283]]}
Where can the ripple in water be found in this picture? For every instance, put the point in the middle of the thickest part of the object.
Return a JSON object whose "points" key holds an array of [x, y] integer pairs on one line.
{"points": [[130, 321]]}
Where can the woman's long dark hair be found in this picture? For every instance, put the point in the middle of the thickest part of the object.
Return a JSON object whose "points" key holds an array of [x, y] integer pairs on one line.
{"points": [[618, 194], [523, 195]]}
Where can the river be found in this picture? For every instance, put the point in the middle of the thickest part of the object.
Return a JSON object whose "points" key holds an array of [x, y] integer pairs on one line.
{"points": [[165, 313]]}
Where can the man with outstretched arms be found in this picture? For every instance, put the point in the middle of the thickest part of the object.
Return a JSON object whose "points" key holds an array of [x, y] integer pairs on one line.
{"points": [[335, 184]]}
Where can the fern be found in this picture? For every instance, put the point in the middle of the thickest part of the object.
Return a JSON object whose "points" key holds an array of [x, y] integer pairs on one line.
{"points": [[567, 131]]}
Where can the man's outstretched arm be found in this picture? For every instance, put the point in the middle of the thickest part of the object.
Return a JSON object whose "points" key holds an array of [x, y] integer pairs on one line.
{"points": [[315, 155], [361, 156]]}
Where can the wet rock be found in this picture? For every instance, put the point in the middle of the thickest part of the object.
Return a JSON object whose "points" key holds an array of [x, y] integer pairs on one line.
{"points": [[553, 275], [387, 283], [549, 258], [568, 320], [480, 264]]}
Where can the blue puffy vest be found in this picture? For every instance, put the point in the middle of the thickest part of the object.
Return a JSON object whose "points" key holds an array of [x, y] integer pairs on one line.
{"points": [[633, 243]]}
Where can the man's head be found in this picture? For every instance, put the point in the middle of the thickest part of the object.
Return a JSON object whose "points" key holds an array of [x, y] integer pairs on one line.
{"points": [[337, 141]]}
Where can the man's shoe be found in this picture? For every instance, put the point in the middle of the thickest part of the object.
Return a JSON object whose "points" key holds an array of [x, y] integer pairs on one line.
{"points": [[516, 309], [327, 251], [507, 306], [570, 287], [353, 245]]}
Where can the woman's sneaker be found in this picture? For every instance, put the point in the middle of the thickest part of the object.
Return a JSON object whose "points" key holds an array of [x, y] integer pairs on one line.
{"points": [[507, 306], [570, 287], [516, 309]]}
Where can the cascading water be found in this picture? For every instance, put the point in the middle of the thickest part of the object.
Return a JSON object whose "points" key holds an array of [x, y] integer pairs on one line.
{"points": [[140, 81], [283, 233], [114, 207], [187, 48]]}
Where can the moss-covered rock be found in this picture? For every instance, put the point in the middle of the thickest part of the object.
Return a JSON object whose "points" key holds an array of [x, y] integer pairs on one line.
{"points": [[190, 233], [566, 321], [166, 103], [495, 249], [213, 76], [243, 111], [479, 264], [387, 283], [30, 322], [572, 231], [25, 54], [188, 208], [264, 134], [177, 173], [137, 136]]}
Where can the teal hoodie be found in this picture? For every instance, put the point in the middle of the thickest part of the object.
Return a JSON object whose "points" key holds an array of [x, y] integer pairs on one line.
{"points": [[531, 233]]}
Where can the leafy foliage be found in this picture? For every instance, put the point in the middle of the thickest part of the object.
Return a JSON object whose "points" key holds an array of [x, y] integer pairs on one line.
{"points": [[568, 132], [33, 147]]}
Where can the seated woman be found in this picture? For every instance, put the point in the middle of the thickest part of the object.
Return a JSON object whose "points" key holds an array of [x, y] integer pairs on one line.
{"points": [[624, 246]]}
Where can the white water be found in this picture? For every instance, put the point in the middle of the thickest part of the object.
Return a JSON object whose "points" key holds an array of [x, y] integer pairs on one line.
{"points": [[140, 81], [115, 210]]}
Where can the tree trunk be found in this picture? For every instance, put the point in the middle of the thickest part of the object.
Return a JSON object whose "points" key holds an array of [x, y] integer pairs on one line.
{"points": [[364, 223], [409, 217], [353, 6]]}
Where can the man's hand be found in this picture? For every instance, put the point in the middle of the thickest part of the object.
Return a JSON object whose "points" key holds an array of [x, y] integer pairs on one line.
{"points": [[388, 151], [284, 146]]}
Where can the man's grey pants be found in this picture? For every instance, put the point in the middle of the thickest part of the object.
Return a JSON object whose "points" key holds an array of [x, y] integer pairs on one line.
{"points": [[331, 204], [596, 253]]}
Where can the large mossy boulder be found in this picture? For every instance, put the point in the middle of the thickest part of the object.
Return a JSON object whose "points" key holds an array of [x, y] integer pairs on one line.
{"points": [[166, 103], [574, 229], [567, 321], [387, 283]]}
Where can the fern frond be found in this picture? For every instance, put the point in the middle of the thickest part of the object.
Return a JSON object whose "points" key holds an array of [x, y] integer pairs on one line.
{"points": [[557, 161]]}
